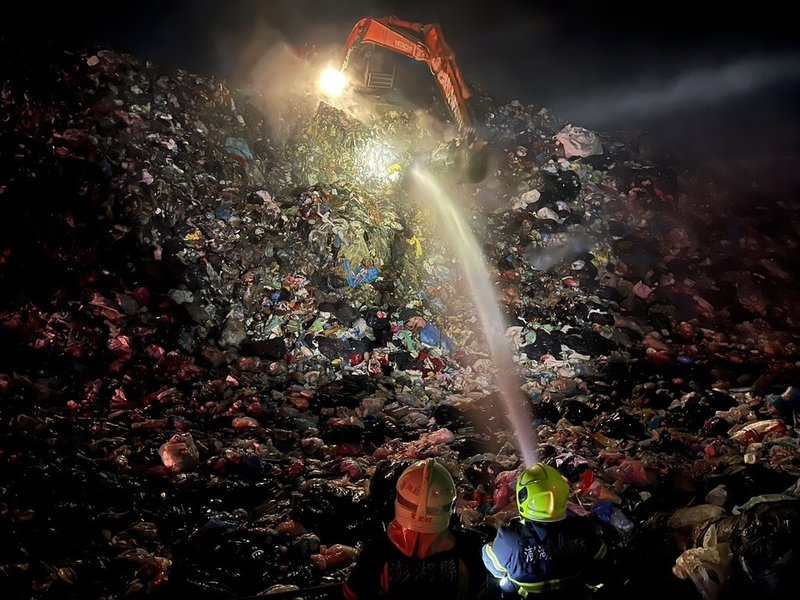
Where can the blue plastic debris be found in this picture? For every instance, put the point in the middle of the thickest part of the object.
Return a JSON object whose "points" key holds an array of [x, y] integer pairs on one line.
{"points": [[430, 335], [224, 211], [238, 147], [608, 513], [787, 402], [357, 276]]}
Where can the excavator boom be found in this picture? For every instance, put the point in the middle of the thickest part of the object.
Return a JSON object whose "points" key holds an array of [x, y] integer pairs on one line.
{"points": [[422, 43]]}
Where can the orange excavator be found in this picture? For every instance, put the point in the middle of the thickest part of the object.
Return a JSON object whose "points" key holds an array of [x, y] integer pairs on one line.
{"points": [[422, 43]]}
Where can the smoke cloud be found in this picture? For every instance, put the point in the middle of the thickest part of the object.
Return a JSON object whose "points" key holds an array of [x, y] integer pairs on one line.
{"points": [[703, 86]]}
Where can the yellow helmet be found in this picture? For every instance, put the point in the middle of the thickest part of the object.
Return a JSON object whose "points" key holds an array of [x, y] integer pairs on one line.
{"points": [[542, 494], [426, 497]]}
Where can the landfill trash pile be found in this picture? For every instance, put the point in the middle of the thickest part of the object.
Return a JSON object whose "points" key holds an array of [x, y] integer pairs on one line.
{"points": [[220, 349]]}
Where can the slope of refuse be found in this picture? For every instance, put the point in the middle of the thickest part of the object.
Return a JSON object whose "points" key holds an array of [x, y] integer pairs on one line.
{"points": [[219, 349]]}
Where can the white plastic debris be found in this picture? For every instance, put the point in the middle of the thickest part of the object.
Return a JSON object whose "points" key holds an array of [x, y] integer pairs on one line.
{"points": [[579, 142], [179, 453], [708, 566]]}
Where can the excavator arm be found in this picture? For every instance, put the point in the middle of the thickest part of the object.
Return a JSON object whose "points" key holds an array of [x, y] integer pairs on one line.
{"points": [[422, 43]]}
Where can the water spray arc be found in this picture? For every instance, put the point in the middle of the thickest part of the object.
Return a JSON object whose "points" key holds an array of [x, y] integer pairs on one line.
{"points": [[492, 322]]}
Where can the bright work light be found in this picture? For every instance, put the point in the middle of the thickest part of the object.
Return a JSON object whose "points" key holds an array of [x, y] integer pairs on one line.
{"points": [[332, 81]]}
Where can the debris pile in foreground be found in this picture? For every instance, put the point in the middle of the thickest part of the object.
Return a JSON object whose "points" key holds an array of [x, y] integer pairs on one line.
{"points": [[212, 373]]}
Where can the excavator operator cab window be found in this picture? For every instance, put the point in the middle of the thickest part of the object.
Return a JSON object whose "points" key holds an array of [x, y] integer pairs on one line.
{"points": [[396, 79], [379, 72]]}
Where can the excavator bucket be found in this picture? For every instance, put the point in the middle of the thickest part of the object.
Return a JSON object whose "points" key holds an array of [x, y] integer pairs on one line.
{"points": [[470, 162], [476, 164]]}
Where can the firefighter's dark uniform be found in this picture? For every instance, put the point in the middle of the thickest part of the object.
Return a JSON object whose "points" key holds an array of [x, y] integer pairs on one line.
{"points": [[544, 557], [383, 571]]}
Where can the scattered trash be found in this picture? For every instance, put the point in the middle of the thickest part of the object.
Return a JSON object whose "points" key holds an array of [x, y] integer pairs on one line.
{"points": [[579, 142], [708, 566], [179, 454], [219, 346]]}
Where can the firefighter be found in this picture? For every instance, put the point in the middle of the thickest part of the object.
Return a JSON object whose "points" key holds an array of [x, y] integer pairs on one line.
{"points": [[420, 556], [544, 552]]}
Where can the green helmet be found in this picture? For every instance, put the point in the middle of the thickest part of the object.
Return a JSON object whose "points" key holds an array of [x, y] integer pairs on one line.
{"points": [[542, 494]]}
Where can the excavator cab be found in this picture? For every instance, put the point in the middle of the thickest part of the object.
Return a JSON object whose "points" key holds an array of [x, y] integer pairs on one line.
{"points": [[391, 81], [378, 75]]}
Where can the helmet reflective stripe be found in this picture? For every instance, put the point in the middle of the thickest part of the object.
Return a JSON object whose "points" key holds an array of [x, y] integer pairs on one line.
{"points": [[423, 508], [426, 477], [406, 503]]}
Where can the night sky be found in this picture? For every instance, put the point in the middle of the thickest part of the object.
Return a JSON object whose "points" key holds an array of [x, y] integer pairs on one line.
{"points": [[719, 87]]}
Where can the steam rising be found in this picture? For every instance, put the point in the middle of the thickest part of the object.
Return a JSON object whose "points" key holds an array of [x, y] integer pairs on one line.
{"points": [[544, 259], [283, 80], [705, 86]]}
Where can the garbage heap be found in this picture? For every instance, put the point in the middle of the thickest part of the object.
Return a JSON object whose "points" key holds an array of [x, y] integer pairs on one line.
{"points": [[220, 349]]}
